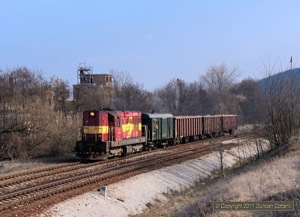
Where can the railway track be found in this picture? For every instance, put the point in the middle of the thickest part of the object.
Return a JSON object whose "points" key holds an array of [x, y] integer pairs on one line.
{"points": [[13, 182], [28, 179], [63, 178]]}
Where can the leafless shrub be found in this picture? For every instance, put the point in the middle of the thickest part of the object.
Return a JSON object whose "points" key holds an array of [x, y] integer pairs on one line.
{"points": [[31, 122], [221, 154]]}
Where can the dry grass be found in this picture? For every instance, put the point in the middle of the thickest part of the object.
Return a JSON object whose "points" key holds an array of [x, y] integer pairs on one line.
{"points": [[23, 165], [8, 167], [273, 179]]}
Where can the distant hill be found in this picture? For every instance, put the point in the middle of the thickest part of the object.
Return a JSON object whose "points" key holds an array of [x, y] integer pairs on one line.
{"points": [[282, 75]]}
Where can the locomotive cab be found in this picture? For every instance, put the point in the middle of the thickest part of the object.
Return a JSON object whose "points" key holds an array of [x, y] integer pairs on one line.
{"points": [[95, 133], [94, 126]]}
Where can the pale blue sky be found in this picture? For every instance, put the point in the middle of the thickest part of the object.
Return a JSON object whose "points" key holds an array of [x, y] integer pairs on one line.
{"points": [[154, 40]]}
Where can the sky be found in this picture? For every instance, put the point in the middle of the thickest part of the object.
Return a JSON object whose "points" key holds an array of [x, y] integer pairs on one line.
{"points": [[154, 40]]}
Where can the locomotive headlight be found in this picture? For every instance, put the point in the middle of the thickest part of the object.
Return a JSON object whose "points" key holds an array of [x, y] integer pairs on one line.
{"points": [[92, 114]]}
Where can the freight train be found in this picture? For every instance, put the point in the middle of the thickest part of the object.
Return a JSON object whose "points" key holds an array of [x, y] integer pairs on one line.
{"points": [[116, 133]]}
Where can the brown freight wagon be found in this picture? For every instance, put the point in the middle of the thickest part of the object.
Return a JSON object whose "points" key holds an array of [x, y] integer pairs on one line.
{"points": [[230, 123], [212, 125], [188, 128]]}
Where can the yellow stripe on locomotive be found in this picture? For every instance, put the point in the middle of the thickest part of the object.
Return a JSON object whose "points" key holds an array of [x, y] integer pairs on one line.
{"points": [[95, 129]]}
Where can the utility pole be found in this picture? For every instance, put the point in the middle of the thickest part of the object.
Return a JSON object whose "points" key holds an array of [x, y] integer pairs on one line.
{"points": [[292, 98]]}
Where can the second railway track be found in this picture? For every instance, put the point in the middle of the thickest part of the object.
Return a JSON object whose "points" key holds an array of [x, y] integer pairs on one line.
{"points": [[99, 172]]}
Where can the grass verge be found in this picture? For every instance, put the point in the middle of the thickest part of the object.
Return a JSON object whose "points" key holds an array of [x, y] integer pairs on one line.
{"points": [[268, 179]]}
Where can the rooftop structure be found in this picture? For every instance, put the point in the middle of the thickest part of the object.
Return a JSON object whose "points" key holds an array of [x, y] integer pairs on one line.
{"points": [[86, 79]]}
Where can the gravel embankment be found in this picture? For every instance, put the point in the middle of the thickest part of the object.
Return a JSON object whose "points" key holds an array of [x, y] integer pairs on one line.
{"points": [[133, 195]]}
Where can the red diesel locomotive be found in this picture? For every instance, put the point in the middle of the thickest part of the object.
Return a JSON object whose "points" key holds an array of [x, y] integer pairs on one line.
{"points": [[106, 133]]}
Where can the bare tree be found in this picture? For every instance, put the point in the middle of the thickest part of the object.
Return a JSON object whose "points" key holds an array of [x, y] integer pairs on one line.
{"points": [[221, 154], [166, 99], [59, 92], [129, 95], [92, 97], [29, 124], [181, 98], [121, 78], [217, 81], [248, 93], [280, 99], [195, 99], [219, 78]]}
